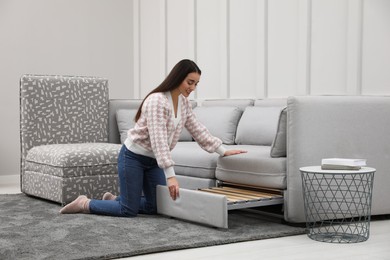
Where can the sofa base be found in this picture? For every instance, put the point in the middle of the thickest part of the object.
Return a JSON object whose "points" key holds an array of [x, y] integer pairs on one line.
{"points": [[210, 206], [65, 190], [193, 183]]}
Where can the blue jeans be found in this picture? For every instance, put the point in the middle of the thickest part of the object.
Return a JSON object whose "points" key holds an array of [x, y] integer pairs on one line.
{"points": [[136, 173]]}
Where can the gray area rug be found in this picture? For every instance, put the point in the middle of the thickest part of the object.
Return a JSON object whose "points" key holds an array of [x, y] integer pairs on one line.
{"points": [[32, 228]]}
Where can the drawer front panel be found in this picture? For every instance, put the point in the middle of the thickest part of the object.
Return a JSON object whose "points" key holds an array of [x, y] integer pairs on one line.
{"points": [[200, 207]]}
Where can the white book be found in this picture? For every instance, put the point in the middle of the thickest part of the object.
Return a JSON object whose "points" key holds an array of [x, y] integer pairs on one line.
{"points": [[343, 162]]}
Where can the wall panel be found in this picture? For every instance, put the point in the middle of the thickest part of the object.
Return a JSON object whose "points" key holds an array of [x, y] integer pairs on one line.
{"points": [[376, 48], [152, 44], [329, 47], [283, 26], [211, 48], [247, 49], [180, 31], [264, 48]]}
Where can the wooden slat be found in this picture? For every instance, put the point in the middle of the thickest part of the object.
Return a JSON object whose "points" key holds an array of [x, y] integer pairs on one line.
{"points": [[238, 194], [251, 192], [257, 188], [236, 197], [250, 196], [230, 195]]}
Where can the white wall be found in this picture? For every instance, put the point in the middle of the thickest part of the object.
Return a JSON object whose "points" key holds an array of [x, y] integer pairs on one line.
{"points": [[68, 37], [245, 48], [267, 48]]}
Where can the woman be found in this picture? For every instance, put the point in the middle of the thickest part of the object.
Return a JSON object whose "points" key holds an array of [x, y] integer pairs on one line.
{"points": [[145, 158]]}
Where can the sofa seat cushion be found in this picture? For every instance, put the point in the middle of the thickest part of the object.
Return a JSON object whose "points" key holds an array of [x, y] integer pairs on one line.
{"points": [[191, 160], [255, 168], [72, 160]]}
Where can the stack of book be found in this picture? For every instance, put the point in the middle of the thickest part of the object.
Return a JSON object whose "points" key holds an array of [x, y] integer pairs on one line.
{"points": [[342, 164]]}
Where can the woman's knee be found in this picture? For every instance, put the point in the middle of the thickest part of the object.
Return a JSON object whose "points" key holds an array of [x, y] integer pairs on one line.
{"points": [[125, 212]]}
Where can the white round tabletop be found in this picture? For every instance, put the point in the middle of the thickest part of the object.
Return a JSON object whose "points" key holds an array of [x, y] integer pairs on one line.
{"points": [[317, 169]]}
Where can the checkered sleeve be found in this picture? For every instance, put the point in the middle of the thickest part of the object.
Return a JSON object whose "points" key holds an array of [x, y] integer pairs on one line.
{"points": [[157, 113], [201, 134]]}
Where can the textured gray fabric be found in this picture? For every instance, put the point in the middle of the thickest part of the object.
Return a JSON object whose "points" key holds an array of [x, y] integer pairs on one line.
{"points": [[71, 160], [257, 126], [191, 160], [240, 103], [253, 168], [220, 121], [125, 120], [33, 229], [271, 102], [279, 144], [193, 183], [114, 105], [337, 126], [61, 110], [195, 206], [65, 190]]}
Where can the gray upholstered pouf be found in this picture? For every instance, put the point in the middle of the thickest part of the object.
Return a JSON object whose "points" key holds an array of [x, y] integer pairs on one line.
{"points": [[78, 167]]}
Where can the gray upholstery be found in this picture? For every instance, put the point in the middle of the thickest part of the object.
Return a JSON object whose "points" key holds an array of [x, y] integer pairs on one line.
{"points": [[72, 160], [65, 190], [337, 126], [200, 207], [191, 160], [270, 102], [279, 144], [61, 172], [240, 103], [114, 105], [60, 110], [59, 115], [193, 183], [257, 126], [220, 121], [125, 119], [255, 168]]}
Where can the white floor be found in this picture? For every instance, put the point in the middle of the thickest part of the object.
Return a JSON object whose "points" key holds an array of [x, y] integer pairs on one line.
{"points": [[294, 247]]}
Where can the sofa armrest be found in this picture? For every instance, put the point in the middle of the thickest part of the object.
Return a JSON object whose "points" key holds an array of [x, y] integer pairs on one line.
{"points": [[337, 126]]}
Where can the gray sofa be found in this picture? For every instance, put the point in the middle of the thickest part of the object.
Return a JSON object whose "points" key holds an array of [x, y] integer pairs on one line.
{"points": [[59, 162]]}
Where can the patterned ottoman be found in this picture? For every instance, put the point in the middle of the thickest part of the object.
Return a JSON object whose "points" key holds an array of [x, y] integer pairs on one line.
{"points": [[64, 137], [61, 172]]}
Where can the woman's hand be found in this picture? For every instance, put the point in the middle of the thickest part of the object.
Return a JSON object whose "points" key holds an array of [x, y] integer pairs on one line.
{"points": [[173, 187], [233, 152]]}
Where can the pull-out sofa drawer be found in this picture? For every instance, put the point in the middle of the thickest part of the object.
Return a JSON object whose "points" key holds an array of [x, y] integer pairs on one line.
{"points": [[210, 206]]}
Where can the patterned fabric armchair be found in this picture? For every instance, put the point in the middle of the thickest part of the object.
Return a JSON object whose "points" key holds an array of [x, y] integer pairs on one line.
{"points": [[64, 138]]}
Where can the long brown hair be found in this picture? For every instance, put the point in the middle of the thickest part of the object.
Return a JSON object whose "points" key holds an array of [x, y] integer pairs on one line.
{"points": [[173, 80]]}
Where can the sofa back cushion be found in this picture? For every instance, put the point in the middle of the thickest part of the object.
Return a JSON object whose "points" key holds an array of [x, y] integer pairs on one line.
{"points": [[257, 126], [125, 120], [240, 103], [270, 102], [221, 121], [114, 106], [279, 144]]}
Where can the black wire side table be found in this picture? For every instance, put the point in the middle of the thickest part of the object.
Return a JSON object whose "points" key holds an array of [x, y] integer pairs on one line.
{"points": [[337, 203]]}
